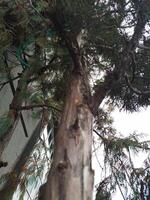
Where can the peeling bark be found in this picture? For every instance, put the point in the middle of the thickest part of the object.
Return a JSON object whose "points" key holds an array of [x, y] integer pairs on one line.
{"points": [[71, 176]]}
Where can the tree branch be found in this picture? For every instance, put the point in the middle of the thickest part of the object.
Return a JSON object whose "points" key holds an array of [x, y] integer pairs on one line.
{"points": [[124, 58], [144, 9], [31, 107], [13, 89], [135, 90], [98, 97], [12, 114], [80, 65], [6, 82], [71, 44]]}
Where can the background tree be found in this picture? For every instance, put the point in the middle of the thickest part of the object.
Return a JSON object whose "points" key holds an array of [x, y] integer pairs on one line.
{"points": [[59, 44]]}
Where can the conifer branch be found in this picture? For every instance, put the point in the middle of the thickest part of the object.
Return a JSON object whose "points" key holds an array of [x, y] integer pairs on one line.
{"points": [[125, 59]]}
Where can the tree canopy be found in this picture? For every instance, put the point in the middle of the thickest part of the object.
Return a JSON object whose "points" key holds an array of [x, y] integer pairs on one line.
{"points": [[106, 42]]}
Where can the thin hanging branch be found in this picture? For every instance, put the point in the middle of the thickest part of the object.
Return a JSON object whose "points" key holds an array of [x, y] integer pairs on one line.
{"points": [[116, 180]]}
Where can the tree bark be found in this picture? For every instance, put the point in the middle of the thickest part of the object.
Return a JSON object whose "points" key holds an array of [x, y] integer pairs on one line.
{"points": [[71, 176]]}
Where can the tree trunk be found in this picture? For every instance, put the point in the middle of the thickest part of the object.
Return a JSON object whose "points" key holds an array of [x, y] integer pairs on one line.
{"points": [[71, 176]]}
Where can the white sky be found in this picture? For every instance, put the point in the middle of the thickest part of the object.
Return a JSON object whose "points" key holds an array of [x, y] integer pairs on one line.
{"points": [[127, 123]]}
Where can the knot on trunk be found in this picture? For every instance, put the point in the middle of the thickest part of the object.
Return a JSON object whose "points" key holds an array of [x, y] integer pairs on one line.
{"points": [[62, 166]]}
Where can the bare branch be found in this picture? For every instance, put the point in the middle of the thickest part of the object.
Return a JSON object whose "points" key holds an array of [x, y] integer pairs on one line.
{"points": [[6, 82], [141, 46], [13, 89], [135, 90], [31, 107], [99, 135], [17, 100]]}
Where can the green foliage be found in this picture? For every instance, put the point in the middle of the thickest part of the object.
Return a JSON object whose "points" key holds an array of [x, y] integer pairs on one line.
{"points": [[103, 190], [34, 170], [41, 5], [103, 195], [40, 45], [119, 170], [117, 166], [36, 115], [4, 178], [35, 98]]}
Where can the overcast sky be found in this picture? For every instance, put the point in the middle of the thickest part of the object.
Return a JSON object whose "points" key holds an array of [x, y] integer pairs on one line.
{"points": [[128, 122]]}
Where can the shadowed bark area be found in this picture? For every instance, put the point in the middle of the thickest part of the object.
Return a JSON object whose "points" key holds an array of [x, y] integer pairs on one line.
{"points": [[71, 176]]}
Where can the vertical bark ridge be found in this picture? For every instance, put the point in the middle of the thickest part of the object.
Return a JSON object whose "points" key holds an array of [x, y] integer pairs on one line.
{"points": [[71, 176]]}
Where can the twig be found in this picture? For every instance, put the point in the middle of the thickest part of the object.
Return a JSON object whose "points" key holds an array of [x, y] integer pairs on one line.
{"points": [[31, 107], [116, 180], [6, 82], [98, 135], [97, 157]]}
